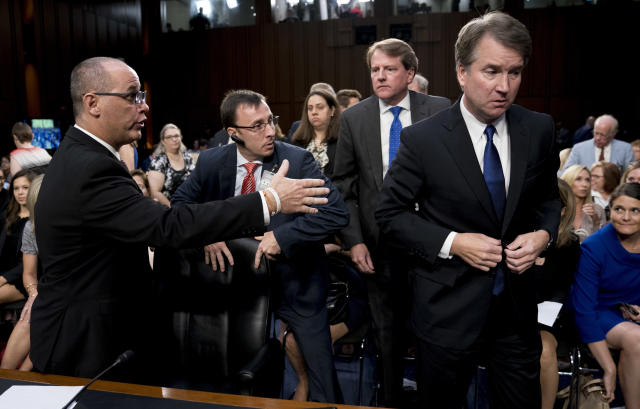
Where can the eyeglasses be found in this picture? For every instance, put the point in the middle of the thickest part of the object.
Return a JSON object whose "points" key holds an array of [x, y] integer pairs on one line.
{"points": [[259, 127], [134, 97], [174, 137]]}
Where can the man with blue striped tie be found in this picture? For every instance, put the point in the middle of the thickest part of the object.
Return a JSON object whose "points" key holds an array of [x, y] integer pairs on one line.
{"points": [[483, 175]]}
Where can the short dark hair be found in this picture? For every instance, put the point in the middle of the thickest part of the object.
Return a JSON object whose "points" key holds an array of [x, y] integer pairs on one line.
{"points": [[344, 95], [394, 47], [233, 99], [501, 27], [626, 189], [22, 132], [87, 75]]}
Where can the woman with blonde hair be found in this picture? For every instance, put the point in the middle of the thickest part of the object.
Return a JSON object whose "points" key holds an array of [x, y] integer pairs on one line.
{"points": [[171, 165], [589, 216], [554, 275], [16, 354]]}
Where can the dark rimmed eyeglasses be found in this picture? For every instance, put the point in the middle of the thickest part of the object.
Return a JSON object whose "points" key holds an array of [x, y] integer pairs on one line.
{"points": [[259, 127], [135, 97]]}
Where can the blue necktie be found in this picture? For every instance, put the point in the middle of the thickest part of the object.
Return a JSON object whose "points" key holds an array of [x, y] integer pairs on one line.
{"points": [[494, 178], [394, 133]]}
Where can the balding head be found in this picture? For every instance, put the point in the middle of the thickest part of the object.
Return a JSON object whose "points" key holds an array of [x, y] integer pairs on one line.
{"points": [[604, 130], [90, 75]]}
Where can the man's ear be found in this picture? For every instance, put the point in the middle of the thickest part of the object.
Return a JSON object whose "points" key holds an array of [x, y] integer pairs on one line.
{"points": [[90, 102], [460, 74]]}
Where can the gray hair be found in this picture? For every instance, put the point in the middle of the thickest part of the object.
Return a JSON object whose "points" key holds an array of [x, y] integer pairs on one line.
{"points": [[501, 27], [609, 118], [88, 75], [394, 47], [421, 82]]}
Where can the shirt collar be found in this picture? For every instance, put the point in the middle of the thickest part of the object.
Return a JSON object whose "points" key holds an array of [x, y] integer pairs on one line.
{"points": [[241, 160], [405, 104], [100, 141], [476, 128]]}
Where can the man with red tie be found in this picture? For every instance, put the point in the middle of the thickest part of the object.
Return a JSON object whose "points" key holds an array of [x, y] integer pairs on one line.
{"points": [[294, 241]]}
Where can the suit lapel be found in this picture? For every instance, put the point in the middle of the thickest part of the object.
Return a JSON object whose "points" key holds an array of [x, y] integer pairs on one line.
{"points": [[419, 109], [372, 138], [461, 149], [519, 140], [228, 173], [271, 163]]}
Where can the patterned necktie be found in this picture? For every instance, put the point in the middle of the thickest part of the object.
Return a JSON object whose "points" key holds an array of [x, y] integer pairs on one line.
{"points": [[494, 178], [249, 182], [394, 133]]}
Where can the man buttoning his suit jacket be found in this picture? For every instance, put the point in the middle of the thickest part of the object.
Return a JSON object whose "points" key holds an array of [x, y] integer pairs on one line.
{"points": [[94, 226], [369, 138], [295, 242], [483, 173]]}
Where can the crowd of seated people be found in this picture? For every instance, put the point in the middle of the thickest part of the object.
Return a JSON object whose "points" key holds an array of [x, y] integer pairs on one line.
{"points": [[604, 256]]}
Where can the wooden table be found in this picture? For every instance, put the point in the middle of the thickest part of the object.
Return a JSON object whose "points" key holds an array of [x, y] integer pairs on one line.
{"points": [[168, 393]]}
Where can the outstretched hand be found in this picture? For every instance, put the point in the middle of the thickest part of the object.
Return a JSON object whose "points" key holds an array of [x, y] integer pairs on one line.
{"points": [[297, 195]]}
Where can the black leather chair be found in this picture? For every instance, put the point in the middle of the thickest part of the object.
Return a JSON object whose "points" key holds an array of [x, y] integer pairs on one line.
{"points": [[220, 321]]}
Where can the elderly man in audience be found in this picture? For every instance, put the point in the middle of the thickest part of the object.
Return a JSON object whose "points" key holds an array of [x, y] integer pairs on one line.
{"points": [[419, 84], [93, 226], [294, 242], [368, 141], [603, 147], [483, 176]]}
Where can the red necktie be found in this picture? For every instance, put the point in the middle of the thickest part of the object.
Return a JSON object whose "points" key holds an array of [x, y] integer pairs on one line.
{"points": [[601, 155], [249, 182]]}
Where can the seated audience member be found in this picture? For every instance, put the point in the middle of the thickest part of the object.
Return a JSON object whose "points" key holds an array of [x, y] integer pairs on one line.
{"points": [[348, 98], [16, 354], [632, 174], [589, 216], [585, 132], [635, 145], [317, 86], [554, 275], [564, 155], [419, 84], [11, 287], [171, 165], [129, 155], [605, 177], [318, 131], [606, 294], [603, 147], [141, 180], [25, 155]]}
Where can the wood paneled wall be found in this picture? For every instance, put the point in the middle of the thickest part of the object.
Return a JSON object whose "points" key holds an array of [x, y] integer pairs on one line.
{"points": [[45, 39], [573, 71]]}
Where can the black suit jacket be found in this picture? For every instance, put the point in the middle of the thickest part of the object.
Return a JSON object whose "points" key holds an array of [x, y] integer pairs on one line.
{"points": [[436, 167], [303, 268], [93, 230], [358, 162]]}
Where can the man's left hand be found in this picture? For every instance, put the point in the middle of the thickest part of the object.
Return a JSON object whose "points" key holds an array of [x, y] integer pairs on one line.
{"points": [[522, 252], [268, 246]]}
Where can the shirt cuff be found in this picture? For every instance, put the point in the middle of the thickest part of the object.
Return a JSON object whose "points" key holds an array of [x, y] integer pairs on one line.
{"points": [[265, 209], [445, 251]]}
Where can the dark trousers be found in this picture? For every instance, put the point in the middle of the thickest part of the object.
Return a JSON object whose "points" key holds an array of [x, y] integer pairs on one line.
{"points": [[388, 300], [512, 361], [314, 340]]}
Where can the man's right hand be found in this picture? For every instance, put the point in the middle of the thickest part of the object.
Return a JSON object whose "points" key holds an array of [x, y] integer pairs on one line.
{"points": [[362, 259], [214, 255], [296, 195], [477, 250]]}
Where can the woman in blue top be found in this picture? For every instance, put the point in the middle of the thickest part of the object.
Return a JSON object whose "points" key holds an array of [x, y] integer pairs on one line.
{"points": [[609, 274]]}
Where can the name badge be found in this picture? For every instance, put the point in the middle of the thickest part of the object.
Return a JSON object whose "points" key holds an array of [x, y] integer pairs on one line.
{"points": [[265, 180]]}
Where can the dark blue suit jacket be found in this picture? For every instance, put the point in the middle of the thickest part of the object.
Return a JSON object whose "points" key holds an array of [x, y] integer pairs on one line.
{"points": [[302, 267]]}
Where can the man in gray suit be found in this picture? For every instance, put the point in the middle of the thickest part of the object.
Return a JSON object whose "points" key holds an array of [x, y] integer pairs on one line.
{"points": [[602, 147], [369, 138]]}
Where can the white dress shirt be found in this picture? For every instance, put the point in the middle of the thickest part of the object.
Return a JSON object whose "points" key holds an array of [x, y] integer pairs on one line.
{"points": [[607, 152], [502, 142], [386, 119], [100, 141]]}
